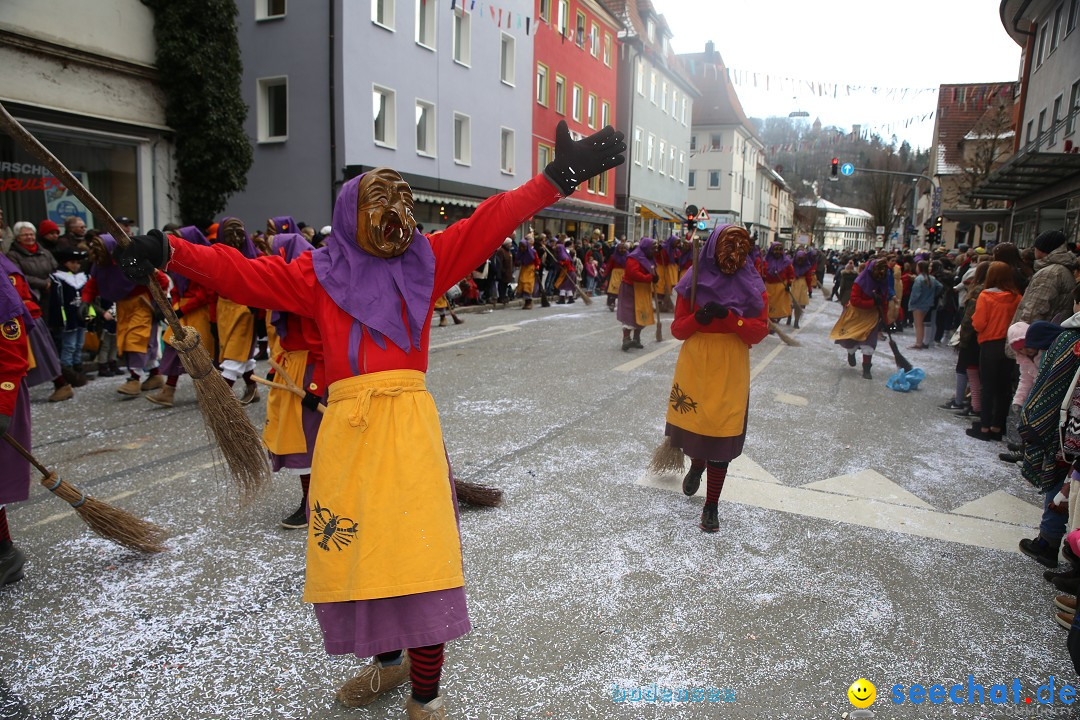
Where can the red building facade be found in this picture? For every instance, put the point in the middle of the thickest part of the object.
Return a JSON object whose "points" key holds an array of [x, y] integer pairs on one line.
{"points": [[575, 56]]}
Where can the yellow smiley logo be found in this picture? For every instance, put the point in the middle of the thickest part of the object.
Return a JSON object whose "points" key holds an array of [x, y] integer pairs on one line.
{"points": [[862, 693]]}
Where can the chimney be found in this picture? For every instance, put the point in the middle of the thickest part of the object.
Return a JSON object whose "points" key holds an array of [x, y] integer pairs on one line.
{"points": [[710, 48]]}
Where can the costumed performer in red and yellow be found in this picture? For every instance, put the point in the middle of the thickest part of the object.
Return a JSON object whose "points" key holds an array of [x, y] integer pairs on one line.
{"points": [[384, 564]]}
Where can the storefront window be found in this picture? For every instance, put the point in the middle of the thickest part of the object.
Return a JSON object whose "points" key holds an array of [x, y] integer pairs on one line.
{"points": [[29, 191]]}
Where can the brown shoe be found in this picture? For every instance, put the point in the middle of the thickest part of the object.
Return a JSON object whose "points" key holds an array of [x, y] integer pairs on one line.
{"points": [[1064, 619], [373, 681], [1066, 603], [164, 397], [434, 710], [130, 388], [442, 321], [64, 392], [154, 382], [251, 394]]}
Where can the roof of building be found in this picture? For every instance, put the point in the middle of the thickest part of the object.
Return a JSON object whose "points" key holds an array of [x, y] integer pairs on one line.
{"points": [[719, 103], [823, 204], [634, 15], [961, 110]]}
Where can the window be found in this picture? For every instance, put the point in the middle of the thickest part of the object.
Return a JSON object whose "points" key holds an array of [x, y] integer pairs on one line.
{"points": [[640, 77], [462, 36], [269, 9], [541, 84], [607, 49], [591, 185], [605, 114], [425, 23], [637, 145], [602, 189], [506, 59], [1074, 8], [563, 25], [382, 13], [545, 12], [273, 109], [560, 94], [425, 128], [682, 165], [1042, 123], [714, 179], [462, 139], [663, 96], [649, 151], [579, 29], [544, 153], [594, 40], [691, 180], [590, 111], [671, 161], [1057, 27], [506, 151], [683, 119], [650, 30], [693, 143], [1074, 107], [1055, 118], [652, 86], [1042, 45], [575, 103], [382, 111], [674, 102], [663, 158], [716, 141], [1030, 128]]}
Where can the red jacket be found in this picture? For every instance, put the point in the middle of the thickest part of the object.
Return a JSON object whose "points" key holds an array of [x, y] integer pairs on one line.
{"points": [[786, 276], [750, 330], [634, 273]]}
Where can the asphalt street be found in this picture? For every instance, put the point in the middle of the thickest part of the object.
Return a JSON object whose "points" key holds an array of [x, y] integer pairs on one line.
{"points": [[862, 535]]}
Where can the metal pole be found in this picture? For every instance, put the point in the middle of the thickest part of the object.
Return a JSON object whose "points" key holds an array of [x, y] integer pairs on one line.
{"points": [[911, 218]]}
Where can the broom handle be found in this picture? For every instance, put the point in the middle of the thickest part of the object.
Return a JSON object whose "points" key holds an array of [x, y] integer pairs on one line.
{"points": [[34, 147], [572, 281], [26, 454], [693, 272]]}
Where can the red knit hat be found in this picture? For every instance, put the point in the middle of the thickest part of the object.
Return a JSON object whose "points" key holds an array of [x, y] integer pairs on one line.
{"points": [[47, 226]]}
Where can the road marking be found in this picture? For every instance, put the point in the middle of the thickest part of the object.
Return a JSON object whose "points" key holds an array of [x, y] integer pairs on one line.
{"points": [[1003, 507], [665, 346], [797, 400], [869, 484], [127, 493]]}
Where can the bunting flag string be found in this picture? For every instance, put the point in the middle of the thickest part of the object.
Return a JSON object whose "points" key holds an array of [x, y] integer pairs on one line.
{"points": [[780, 83]]}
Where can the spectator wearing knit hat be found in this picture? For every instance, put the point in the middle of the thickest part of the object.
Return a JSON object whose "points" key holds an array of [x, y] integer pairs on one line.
{"points": [[48, 235], [1049, 294]]}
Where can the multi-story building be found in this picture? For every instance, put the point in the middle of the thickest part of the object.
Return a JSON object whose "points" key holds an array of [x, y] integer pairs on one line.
{"points": [[776, 209], [833, 227], [655, 104], [438, 91], [81, 77], [1042, 178], [575, 52], [726, 155]]}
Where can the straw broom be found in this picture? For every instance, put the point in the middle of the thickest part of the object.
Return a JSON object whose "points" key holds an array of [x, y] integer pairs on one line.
{"points": [[585, 298], [784, 337], [109, 522], [467, 492], [226, 421]]}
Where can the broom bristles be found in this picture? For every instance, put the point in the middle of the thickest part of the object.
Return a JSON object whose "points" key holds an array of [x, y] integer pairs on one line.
{"points": [[226, 422], [667, 458], [478, 495], [901, 361], [108, 521], [784, 337]]}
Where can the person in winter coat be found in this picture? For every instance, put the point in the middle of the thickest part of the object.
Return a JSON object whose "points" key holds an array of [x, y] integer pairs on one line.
{"points": [[843, 282], [925, 291], [1049, 294], [993, 313], [66, 322], [36, 262]]}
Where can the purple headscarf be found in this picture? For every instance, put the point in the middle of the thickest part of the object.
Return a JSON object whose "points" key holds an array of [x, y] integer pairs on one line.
{"points": [[247, 248], [284, 224], [776, 265], [801, 263], [671, 247], [289, 246], [618, 258], [11, 305], [365, 286], [869, 285], [526, 254], [112, 284], [638, 254], [560, 252], [740, 292], [194, 236]]}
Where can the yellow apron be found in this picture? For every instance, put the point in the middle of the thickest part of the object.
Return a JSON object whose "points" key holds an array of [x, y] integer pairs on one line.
{"points": [[615, 281], [698, 402], [672, 276], [283, 433], [526, 278], [236, 328], [663, 285], [30, 357], [441, 303], [779, 300], [199, 320], [855, 324], [133, 320], [800, 291], [643, 304], [382, 511]]}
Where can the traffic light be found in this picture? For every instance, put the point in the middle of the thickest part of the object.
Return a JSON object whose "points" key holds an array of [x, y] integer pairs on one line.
{"points": [[937, 224], [835, 166], [932, 234], [691, 214]]}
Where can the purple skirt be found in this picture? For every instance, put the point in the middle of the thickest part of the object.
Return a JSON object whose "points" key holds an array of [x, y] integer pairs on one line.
{"points": [[44, 349], [368, 627], [624, 310], [138, 361], [170, 362], [704, 447], [15, 480], [569, 282], [310, 419]]}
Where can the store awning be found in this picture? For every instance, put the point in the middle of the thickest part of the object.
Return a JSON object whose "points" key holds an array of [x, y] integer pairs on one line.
{"points": [[582, 211], [1027, 173], [443, 199], [977, 215], [650, 213], [672, 216]]}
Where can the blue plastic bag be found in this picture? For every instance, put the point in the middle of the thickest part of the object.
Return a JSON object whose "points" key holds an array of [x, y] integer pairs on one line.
{"points": [[904, 381]]}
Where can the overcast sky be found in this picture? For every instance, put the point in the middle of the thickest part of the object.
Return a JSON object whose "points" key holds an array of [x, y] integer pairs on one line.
{"points": [[913, 44]]}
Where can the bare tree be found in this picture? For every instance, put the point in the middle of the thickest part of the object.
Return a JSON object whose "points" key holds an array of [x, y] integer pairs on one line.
{"points": [[984, 149]]}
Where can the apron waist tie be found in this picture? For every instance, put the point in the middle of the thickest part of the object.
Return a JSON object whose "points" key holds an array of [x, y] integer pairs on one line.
{"points": [[358, 417]]}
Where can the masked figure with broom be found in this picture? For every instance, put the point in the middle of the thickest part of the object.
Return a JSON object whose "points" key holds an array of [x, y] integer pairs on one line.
{"points": [[800, 287], [614, 268], [719, 321], [858, 326], [635, 309], [384, 565], [235, 320], [528, 263], [778, 274], [15, 321]]}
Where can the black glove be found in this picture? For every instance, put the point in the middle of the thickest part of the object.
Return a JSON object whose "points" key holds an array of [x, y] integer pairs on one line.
{"points": [[711, 311], [5, 423], [311, 401], [179, 313], [143, 256], [578, 160], [655, 279], [787, 286]]}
